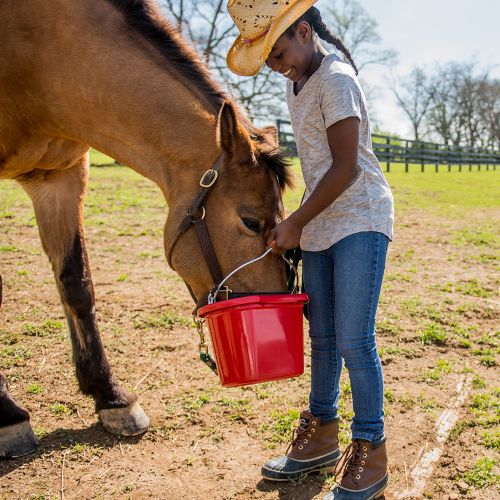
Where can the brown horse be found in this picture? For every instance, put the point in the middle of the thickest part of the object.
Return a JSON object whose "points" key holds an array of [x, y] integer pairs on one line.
{"points": [[115, 75]]}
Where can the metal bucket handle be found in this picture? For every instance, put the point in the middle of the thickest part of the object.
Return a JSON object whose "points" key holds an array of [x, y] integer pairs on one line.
{"points": [[212, 296]]}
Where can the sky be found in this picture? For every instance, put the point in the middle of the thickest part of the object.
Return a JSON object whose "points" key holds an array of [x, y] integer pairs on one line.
{"points": [[427, 32]]}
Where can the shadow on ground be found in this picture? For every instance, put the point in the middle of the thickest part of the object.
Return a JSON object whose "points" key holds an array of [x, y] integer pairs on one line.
{"points": [[93, 436]]}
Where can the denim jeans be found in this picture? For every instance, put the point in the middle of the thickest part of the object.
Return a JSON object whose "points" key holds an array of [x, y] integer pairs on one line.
{"points": [[343, 283]]}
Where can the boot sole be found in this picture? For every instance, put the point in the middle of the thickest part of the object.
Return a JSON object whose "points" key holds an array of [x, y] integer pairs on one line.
{"points": [[374, 496], [379, 494], [327, 468]]}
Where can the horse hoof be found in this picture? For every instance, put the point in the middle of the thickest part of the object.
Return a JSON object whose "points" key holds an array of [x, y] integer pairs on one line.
{"points": [[17, 440], [128, 421]]}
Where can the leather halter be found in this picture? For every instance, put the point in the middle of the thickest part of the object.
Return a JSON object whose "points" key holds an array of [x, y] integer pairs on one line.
{"points": [[195, 215]]}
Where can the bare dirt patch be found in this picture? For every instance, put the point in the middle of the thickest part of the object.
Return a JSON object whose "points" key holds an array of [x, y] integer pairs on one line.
{"points": [[437, 325]]}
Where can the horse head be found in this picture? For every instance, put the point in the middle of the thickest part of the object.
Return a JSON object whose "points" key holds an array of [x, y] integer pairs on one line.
{"points": [[244, 205]]}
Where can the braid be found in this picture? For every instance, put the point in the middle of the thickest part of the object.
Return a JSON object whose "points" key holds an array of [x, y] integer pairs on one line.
{"points": [[313, 17]]}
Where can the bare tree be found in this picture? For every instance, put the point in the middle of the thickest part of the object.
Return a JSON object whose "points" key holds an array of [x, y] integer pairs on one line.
{"points": [[206, 24], [489, 93], [464, 107], [469, 102], [414, 97], [444, 119], [359, 32]]}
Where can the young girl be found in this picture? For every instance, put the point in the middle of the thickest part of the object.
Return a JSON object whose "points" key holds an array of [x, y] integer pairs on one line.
{"points": [[343, 226]]}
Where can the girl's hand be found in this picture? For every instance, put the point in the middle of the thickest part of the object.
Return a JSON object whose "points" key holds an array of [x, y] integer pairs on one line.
{"points": [[285, 237]]}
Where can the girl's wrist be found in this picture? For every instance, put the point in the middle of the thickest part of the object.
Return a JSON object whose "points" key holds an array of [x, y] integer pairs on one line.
{"points": [[297, 220]]}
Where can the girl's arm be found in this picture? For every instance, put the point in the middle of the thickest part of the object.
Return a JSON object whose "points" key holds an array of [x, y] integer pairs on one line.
{"points": [[343, 139]]}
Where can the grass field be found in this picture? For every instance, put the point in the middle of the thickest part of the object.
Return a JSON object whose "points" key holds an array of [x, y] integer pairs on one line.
{"points": [[438, 336]]}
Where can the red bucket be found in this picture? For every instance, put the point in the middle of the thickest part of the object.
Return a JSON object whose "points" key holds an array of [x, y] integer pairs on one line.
{"points": [[257, 338]]}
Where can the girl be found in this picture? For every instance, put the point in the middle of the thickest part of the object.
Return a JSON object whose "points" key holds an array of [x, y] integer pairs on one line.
{"points": [[343, 226]]}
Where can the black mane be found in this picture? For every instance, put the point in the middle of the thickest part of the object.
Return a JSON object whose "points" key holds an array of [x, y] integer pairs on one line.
{"points": [[144, 17]]}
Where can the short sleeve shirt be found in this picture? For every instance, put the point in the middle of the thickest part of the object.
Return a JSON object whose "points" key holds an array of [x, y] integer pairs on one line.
{"points": [[331, 94]]}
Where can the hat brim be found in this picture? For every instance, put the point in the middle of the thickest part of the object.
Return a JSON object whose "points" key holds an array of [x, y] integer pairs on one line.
{"points": [[246, 60]]}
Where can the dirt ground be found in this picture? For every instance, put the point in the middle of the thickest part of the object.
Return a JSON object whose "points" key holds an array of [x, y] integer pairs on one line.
{"points": [[438, 335]]}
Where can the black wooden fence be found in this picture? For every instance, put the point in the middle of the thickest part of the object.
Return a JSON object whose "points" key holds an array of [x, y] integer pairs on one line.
{"points": [[391, 150]]}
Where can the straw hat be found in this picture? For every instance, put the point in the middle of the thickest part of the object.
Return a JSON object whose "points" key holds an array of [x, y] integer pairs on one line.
{"points": [[261, 23]]}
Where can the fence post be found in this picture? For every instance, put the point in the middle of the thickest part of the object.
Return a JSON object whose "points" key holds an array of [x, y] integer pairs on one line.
{"points": [[406, 157], [422, 157], [388, 151]]}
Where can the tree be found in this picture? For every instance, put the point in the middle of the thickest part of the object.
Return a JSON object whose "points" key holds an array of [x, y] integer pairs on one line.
{"points": [[414, 97], [206, 24], [489, 110], [465, 104], [359, 32], [443, 118]]}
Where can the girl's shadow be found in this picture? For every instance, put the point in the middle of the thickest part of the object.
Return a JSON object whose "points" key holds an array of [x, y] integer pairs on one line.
{"points": [[304, 489]]}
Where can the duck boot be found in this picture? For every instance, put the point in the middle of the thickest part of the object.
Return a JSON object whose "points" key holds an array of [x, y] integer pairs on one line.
{"points": [[314, 448], [365, 475]]}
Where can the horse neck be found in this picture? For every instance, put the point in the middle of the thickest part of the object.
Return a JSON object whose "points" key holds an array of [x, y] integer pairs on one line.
{"points": [[113, 90]]}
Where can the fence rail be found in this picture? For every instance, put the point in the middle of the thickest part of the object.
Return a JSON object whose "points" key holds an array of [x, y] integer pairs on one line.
{"points": [[390, 150]]}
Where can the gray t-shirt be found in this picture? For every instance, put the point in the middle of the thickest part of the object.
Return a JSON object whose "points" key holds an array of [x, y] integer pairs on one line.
{"points": [[332, 94]]}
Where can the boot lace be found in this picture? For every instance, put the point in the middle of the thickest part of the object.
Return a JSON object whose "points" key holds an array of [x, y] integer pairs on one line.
{"points": [[299, 433], [350, 461]]}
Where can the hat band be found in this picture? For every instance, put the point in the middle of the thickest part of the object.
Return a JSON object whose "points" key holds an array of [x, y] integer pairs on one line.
{"points": [[250, 41]]}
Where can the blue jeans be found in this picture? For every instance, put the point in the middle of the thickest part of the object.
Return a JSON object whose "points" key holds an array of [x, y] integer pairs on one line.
{"points": [[343, 283]]}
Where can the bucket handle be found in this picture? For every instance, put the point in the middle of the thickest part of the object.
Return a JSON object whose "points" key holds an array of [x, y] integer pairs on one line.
{"points": [[212, 296]]}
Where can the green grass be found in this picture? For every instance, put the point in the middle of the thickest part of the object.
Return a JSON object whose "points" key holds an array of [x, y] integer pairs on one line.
{"points": [[47, 328], [98, 158], [60, 409], [165, 320], [452, 194], [35, 389], [283, 425], [482, 474], [116, 189], [491, 438], [433, 334]]}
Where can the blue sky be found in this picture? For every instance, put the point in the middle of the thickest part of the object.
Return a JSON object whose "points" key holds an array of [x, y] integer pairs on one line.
{"points": [[426, 32]]}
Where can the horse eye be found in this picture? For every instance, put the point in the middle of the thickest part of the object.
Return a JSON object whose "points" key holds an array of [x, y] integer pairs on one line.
{"points": [[251, 224]]}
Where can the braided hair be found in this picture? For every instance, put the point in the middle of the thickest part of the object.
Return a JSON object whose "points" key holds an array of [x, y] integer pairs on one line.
{"points": [[313, 18]]}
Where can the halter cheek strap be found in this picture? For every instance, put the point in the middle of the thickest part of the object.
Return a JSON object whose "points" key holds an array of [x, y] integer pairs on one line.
{"points": [[195, 216]]}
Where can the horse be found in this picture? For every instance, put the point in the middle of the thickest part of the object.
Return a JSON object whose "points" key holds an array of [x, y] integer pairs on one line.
{"points": [[116, 76]]}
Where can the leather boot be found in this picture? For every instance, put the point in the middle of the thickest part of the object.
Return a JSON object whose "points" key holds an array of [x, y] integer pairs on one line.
{"points": [[365, 475], [314, 448]]}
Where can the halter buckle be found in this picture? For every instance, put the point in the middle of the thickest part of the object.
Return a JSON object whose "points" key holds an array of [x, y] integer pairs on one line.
{"points": [[206, 183], [227, 291]]}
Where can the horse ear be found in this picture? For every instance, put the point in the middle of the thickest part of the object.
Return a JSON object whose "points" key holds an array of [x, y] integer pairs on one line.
{"points": [[271, 134], [233, 137]]}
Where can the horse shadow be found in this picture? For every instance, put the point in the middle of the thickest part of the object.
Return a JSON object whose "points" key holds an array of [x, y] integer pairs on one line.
{"points": [[93, 436]]}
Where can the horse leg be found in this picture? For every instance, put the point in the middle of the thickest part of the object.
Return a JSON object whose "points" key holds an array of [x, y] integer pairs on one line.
{"points": [[57, 197], [16, 435]]}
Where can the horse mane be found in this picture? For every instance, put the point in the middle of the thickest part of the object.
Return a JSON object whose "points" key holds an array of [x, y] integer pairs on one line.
{"points": [[144, 17], [277, 161]]}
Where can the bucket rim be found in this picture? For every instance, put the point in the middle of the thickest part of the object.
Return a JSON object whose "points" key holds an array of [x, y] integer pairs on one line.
{"points": [[285, 298]]}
